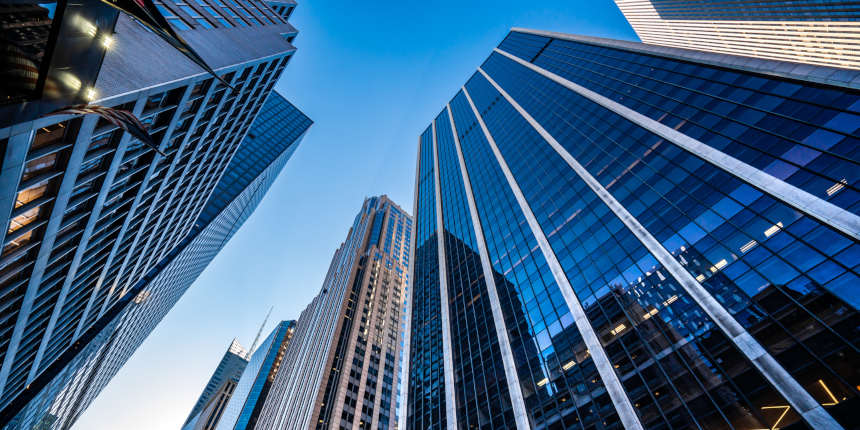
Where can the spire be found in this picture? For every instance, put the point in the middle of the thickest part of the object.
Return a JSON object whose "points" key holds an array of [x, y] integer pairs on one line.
{"points": [[259, 332]]}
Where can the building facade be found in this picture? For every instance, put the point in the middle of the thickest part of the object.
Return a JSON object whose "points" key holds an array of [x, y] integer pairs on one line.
{"points": [[209, 408], [52, 53], [803, 31], [616, 235], [340, 370], [243, 410], [104, 233]]}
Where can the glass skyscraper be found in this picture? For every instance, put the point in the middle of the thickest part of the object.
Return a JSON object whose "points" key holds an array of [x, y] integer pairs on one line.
{"points": [[822, 32], [341, 367], [243, 410], [616, 235], [211, 404]]}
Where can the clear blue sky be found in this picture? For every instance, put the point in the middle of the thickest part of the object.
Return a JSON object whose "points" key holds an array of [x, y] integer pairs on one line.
{"points": [[371, 75]]}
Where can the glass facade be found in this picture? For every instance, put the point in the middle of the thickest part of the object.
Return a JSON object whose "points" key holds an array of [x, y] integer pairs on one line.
{"points": [[479, 377], [243, 410], [426, 400], [210, 406], [621, 177]]}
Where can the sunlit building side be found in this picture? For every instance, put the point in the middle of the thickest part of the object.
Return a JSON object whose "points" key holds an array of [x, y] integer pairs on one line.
{"points": [[802, 31], [341, 367]]}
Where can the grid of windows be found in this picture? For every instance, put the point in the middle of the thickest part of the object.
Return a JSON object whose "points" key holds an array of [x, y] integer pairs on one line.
{"points": [[820, 32], [111, 195], [782, 274], [339, 370], [479, 377], [604, 267], [543, 337], [426, 399], [788, 279], [798, 132], [208, 14]]}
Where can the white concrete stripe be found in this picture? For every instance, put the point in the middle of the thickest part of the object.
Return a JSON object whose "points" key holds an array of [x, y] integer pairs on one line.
{"points": [[517, 402], [822, 210], [447, 350], [782, 68], [625, 410], [407, 335], [778, 376]]}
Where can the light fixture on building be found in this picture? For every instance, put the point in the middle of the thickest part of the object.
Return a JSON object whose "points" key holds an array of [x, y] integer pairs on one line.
{"points": [[90, 94], [71, 81], [86, 26], [107, 41]]}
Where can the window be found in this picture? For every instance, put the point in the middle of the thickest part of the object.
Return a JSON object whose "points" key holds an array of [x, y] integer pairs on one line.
{"points": [[40, 165], [171, 17]]}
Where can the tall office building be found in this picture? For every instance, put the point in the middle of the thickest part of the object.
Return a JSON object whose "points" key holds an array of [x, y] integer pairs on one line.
{"points": [[611, 234], [243, 410], [219, 390], [340, 370], [104, 233], [822, 32]]}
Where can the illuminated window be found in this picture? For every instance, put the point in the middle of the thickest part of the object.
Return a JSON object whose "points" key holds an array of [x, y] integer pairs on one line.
{"points": [[49, 135], [24, 219], [16, 244], [40, 165], [30, 194], [171, 17]]}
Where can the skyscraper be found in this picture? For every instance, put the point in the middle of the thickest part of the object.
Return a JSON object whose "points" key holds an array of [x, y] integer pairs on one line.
{"points": [[611, 234], [340, 369], [804, 31], [243, 410], [219, 390], [105, 233]]}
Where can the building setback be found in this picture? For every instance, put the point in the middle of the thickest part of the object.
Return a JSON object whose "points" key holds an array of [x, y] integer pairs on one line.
{"points": [[802, 31], [243, 410], [105, 234], [340, 369], [219, 390], [610, 234]]}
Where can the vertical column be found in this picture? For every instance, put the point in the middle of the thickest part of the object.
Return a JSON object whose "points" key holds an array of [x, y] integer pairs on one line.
{"points": [[447, 354], [15, 158], [165, 141], [616, 392], [805, 405], [822, 210], [517, 402], [403, 409], [13, 167], [95, 213]]}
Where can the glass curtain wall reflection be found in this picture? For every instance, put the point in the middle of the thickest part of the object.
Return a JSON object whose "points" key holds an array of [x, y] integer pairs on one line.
{"points": [[671, 237]]}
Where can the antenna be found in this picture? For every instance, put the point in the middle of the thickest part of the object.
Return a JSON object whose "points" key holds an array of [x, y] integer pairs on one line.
{"points": [[260, 332]]}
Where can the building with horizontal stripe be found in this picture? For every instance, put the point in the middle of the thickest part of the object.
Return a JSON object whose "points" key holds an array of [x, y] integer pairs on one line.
{"points": [[821, 32], [616, 235], [340, 370]]}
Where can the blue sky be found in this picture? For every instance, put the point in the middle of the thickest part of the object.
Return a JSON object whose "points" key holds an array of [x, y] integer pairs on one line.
{"points": [[371, 75]]}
